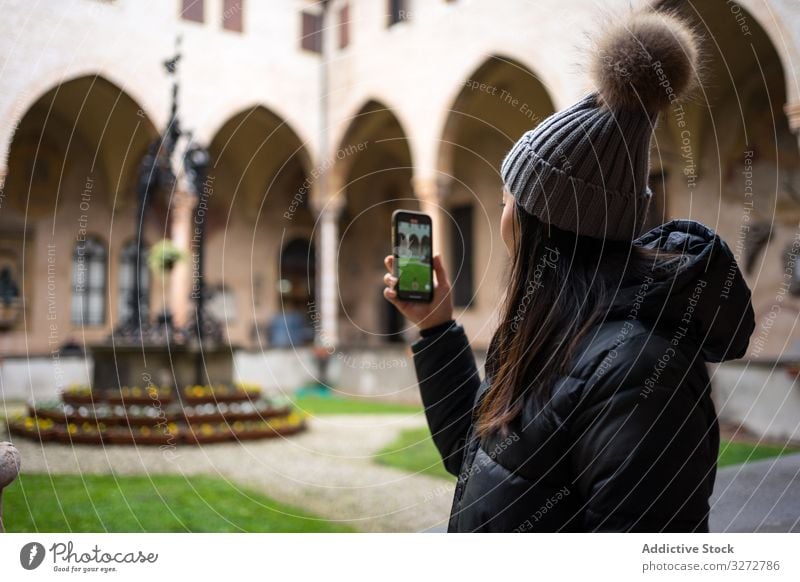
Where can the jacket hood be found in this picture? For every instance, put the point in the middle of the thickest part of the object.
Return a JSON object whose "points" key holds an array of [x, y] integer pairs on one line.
{"points": [[701, 295]]}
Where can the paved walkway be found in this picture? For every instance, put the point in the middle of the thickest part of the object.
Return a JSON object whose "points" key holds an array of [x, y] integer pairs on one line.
{"points": [[327, 470], [760, 496]]}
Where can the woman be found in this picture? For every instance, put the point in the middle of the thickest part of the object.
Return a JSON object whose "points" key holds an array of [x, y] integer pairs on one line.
{"points": [[595, 412]]}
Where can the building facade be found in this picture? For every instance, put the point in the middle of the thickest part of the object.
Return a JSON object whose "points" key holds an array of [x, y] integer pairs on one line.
{"points": [[323, 118]]}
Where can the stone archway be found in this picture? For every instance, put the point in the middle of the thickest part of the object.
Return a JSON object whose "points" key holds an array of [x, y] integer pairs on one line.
{"points": [[71, 174], [373, 175], [736, 164], [260, 202], [499, 102]]}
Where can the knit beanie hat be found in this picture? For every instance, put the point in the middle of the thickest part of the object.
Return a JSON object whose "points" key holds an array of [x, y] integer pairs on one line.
{"points": [[585, 168]]}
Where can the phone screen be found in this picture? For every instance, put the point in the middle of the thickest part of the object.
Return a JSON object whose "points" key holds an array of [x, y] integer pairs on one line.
{"points": [[413, 251]]}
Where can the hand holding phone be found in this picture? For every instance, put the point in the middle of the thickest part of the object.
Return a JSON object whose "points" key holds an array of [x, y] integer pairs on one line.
{"points": [[412, 263], [412, 251], [423, 315]]}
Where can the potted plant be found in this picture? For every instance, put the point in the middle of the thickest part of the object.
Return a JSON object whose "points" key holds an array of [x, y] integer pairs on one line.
{"points": [[163, 257]]}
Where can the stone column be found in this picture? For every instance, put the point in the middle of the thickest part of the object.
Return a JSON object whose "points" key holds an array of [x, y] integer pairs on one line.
{"points": [[181, 229], [431, 193], [326, 316], [3, 201], [9, 469], [792, 111]]}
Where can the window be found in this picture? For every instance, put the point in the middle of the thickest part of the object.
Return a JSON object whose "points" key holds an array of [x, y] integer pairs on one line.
{"points": [[296, 270], [89, 283], [127, 273], [461, 244], [192, 10], [344, 26], [233, 15], [397, 11], [311, 32]]}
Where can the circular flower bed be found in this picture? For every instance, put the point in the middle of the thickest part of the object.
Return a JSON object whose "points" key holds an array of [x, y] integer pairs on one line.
{"points": [[153, 416]]}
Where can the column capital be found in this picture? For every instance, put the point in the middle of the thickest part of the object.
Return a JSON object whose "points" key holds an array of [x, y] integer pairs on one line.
{"points": [[792, 111], [434, 189], [331, 206]]}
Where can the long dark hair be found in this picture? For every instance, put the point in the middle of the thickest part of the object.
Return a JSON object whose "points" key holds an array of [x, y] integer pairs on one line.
{"points": [[559, 286]]}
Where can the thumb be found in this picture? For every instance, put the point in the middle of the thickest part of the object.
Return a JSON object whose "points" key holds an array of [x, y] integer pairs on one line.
{"points": [[441, 273]]}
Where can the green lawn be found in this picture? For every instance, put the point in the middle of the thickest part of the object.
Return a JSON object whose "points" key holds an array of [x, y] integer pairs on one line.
{"points": [[99, 503], [414, 451], [342, 405], [736, 453]]}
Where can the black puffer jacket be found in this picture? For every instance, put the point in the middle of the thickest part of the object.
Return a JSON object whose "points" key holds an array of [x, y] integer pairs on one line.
{"points": [[629, 440]]}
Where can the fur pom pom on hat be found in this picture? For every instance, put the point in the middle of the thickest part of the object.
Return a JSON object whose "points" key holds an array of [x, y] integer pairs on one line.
{"points": [[585, 168], [639, 65]]}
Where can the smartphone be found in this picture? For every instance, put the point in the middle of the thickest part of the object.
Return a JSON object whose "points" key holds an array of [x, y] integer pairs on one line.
{"points": [[412, 246]]}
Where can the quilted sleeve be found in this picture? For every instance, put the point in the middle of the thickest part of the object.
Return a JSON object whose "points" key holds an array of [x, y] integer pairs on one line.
{"points": [[448, 381]]}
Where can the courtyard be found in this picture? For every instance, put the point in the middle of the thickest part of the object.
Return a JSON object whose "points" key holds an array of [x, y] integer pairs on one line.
{"points": [[197, 199], [360, 467]]}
